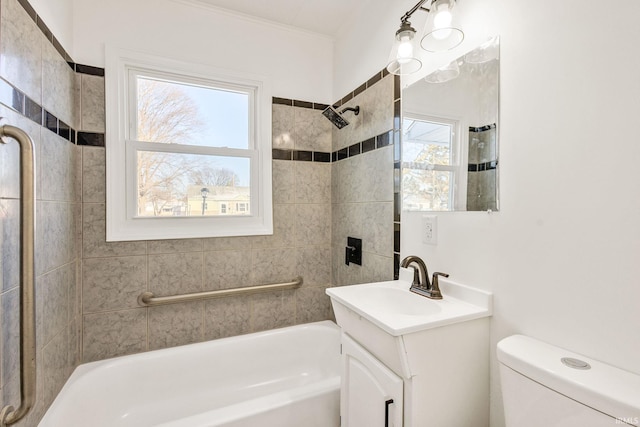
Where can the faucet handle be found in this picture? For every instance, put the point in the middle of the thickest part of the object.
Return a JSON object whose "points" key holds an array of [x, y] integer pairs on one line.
{"points": [[435, 286]]}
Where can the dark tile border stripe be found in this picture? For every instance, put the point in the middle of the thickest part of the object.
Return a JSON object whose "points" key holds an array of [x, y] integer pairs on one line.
{"points": [[91, 139], [15, 99], [380, 141], [480, 167], [482, 128], [298, 103], [87, 69]]}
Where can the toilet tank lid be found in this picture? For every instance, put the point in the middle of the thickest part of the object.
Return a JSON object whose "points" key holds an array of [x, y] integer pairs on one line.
{"points": [[605, 388]]}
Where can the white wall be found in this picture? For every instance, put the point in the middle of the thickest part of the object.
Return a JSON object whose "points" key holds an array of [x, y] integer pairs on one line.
{"points": [[58, 16], [300, 64], [563, 254]]}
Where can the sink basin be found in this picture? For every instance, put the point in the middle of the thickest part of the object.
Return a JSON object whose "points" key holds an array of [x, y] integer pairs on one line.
{"points": [[398, 311]]}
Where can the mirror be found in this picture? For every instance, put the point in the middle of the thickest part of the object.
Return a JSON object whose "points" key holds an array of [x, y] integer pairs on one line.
{"points": [[450, 135]]}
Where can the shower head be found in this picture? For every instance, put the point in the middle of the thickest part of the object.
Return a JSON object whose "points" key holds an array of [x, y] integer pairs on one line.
{"points": [[336, 118]]}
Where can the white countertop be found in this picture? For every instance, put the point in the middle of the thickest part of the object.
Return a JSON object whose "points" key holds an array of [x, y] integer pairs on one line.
{"points": [[398, 311]]}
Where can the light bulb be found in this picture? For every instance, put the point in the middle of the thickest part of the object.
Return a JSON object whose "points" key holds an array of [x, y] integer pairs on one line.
{"points": [[442, 19], [405, 50]]}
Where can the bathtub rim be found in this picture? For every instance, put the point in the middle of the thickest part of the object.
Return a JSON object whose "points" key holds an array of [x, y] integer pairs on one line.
{"points": [[85, 371]]}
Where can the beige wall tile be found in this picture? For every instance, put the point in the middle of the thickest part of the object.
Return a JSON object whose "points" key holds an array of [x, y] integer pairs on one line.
{"points": [[93, 174], [92, 104], [312, 305], [10, 242], [377, 235], [113, 283], [227, 243], [174, 246], [312, 182], [58, 98], [20, 49], [171, 274], [283, 223], [377, 105], [376, 268], [56, 366], [53, 297], [272, 310], [175, 324], [227, 269], [94, 242], [346, 222], [273, 265], [227, 317], [114, 334], [283, 182], [312, 130], [10, 336], [60, 160], [55, 236], [313, 225], [314, 265], [282, 127]]}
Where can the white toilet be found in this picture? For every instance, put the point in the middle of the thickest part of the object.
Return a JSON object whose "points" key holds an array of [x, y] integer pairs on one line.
{"points": [[546, 386]]}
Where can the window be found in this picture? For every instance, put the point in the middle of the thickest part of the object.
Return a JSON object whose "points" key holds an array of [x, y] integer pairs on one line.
{"points": [[185, 143], [430, 163]]}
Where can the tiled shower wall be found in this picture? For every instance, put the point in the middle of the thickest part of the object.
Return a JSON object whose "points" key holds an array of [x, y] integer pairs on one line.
{"points": [[115, 273], [37, 93], [362, 182]]}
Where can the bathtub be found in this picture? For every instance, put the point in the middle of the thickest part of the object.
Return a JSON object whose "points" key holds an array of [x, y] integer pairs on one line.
{"points": [[287, 377]]}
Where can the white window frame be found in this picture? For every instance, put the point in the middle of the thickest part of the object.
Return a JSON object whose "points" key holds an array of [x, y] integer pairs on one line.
{"points": [[122, 222], [459, 144]]}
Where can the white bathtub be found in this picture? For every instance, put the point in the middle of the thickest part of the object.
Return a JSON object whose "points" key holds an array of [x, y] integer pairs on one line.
{"points": [[286, 377]]}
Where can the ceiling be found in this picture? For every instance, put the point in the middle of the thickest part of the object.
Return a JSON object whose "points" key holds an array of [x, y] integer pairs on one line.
{"points": [[324, 17]]}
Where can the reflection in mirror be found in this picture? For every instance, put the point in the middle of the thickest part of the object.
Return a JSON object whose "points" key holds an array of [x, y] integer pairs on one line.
{"points": [[450, 135]]}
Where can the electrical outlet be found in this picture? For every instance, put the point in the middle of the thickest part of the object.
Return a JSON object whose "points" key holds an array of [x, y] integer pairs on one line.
{"points": [[430, 229]]}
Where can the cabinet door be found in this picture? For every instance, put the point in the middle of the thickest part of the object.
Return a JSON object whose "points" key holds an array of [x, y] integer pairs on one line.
{"points": [[371, 394]]}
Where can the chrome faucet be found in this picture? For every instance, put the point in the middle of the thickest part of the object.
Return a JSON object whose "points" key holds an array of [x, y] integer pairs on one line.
{"points": [[421, 284]]}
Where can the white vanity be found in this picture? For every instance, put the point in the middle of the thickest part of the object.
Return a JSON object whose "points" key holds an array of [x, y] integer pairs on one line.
{"points": [[411, 361]]}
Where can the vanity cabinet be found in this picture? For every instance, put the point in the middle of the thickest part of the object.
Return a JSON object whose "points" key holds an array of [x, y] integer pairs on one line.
{"points": [[413, 362], [371, 394]]}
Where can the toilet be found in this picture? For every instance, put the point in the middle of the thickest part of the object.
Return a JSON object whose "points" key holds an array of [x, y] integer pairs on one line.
{"points": [[547, 386]]}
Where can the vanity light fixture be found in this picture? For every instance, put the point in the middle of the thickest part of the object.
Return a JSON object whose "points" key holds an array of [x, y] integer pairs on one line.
{"points": [[441, 34], [402, 59]]}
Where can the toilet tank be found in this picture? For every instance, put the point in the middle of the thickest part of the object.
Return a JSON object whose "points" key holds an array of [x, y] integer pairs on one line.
{"points": [[538, 389]]}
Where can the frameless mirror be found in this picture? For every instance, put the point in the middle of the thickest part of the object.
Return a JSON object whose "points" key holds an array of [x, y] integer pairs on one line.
{"points": [[450, 135]]}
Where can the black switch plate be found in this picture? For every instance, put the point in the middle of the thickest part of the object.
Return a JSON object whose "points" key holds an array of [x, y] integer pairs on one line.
{"points": [[353, 251]]}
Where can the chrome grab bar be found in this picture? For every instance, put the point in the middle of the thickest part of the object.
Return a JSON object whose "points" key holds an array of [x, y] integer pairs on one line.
{"points": [[148, 299], [9, 415]]}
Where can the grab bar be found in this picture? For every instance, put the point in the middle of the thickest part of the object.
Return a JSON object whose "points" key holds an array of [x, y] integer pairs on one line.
{"points": [[9, 415], [147, 299]]}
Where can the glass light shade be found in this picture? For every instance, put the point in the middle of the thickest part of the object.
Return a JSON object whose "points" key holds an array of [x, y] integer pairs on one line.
{"points": [[441, 31], [444, 74], [483, 53], [402, 59]]}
